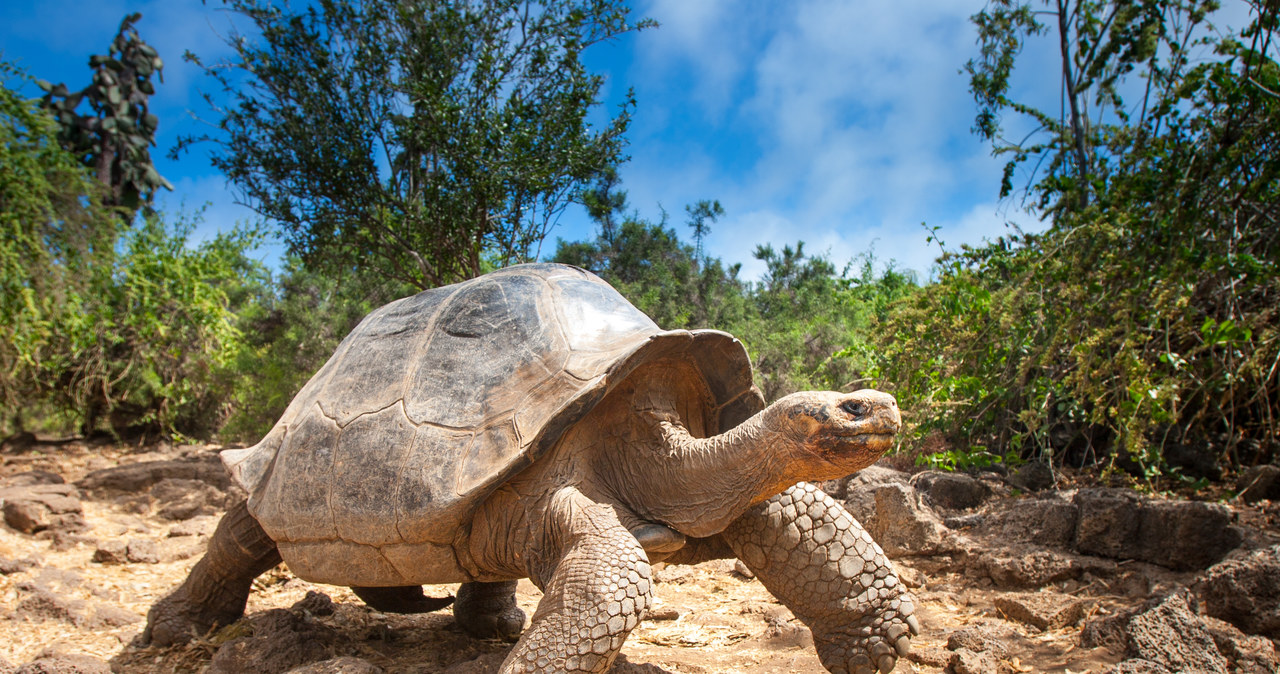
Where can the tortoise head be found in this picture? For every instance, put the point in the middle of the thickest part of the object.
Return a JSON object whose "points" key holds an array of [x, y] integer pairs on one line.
{"points": [[837, 433]]}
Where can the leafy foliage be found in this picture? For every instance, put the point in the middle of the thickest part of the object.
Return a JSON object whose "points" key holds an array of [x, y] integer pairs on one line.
{"points": [[1144, 318], [149, 346], [118, 327], [48, 214], [814, 322], [415, 137]]}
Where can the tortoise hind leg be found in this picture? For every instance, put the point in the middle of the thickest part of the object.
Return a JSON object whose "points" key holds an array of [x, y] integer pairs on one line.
{"points": [[488, 610], [406, 599], [218, 587]]}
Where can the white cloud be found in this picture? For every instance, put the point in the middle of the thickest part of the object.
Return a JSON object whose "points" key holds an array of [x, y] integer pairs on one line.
{"points": [[708, 34], [904, 244], [849, 125]]}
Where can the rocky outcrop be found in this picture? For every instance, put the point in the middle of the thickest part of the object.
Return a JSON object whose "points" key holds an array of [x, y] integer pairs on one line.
{"points": [[180, 499], [953, 491], [1169, 636], [904, 526], [280, 640], [1018, 566], [1258, 483], [1046, 520], [138, 477], [858, 492], [1245, 592], [1042, 610], [1181, 535], [980, 649], [64, 663], [38, 501], [1034, 476], [344, 665]]}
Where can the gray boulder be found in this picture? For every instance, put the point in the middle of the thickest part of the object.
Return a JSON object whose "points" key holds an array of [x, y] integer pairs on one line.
{"points": [[1034, 476], [342, 665], [65, 663], [1258, 483], [1173, 636], [1031, 566], [137, 477], [904, 526], [1248, 654], [280, 641], [953, 491], [858, 491], [1245, 592], [1042, 610], [1180, 535], [33, 508], [1138, 666], [1048, 520]]}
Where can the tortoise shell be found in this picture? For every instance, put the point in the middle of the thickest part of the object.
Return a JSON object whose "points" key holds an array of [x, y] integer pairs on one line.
{"points": [[434, 400]]}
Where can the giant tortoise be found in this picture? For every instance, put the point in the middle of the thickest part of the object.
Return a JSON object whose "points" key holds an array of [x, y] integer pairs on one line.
{"points": [[533, 423]]}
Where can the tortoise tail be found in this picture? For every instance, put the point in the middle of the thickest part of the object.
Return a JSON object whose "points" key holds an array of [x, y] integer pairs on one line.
{"points": [[405, 599]]}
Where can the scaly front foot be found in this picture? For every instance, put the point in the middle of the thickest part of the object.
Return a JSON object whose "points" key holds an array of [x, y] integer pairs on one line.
{"points": [[815, 558]]}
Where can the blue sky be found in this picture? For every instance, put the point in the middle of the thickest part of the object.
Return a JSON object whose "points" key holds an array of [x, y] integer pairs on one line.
{"points": [[842, 124]]}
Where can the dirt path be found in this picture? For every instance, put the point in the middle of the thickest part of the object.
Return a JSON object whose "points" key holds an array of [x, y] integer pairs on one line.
{"points": [[61, 594]]}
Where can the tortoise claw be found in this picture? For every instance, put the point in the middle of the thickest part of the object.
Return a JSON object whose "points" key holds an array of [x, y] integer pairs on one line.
{"points": [[884, 656], [914, 625]]}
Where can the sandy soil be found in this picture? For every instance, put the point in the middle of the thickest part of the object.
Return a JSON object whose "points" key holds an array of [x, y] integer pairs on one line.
{"points": [[707, 618]]}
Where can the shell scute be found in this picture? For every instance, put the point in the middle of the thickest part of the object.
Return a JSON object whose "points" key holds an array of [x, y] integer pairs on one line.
{"points": [[423, 495], [293, 498], [373, 447], [371, 372], [491, 346], [490, 449], [595, 318]]}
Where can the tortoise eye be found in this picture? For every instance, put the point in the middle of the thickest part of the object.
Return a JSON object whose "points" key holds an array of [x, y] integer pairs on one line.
{"points": [[853, 408]]}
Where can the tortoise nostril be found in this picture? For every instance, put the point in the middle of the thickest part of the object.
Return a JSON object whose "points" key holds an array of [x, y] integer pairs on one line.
{"points": [[854, 408]]}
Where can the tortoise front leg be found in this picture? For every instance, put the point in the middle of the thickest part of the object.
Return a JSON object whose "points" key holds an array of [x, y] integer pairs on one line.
{"points": [[596, 589], [815, 558]]}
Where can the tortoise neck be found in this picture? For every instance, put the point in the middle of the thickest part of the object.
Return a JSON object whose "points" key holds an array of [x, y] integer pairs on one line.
{"points": [[698, 486]]}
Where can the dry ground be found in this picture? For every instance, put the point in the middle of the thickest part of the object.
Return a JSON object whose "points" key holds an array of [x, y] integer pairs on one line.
{"points": [[707, 618]]}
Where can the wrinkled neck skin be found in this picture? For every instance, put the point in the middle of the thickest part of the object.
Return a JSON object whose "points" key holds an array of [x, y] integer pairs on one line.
{"points": [[697, 486], [651, 454]]}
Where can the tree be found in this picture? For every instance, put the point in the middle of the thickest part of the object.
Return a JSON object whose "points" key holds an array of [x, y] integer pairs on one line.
{"points": [[416, 137], [1101, 44], [1140, 328], [700, 214], [114, 137]]}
